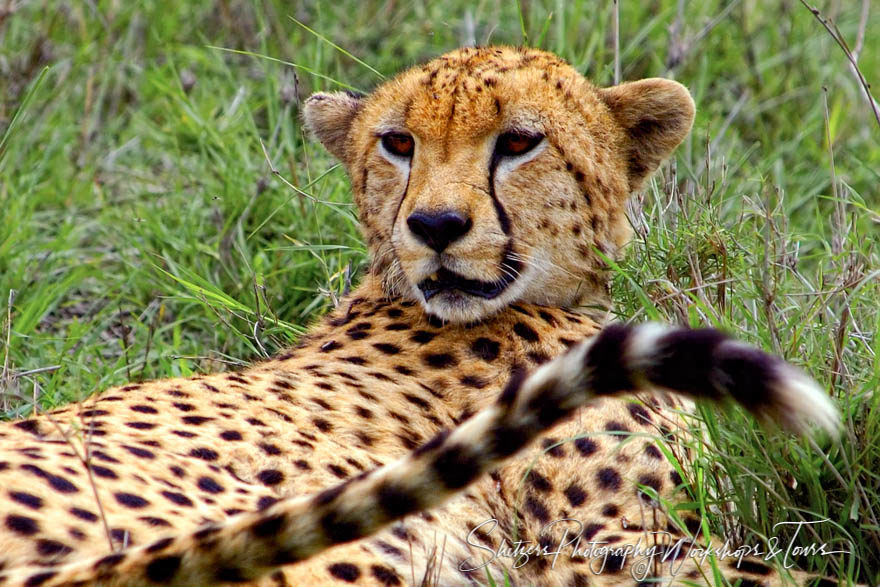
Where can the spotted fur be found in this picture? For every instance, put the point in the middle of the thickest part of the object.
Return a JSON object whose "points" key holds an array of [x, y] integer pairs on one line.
{"points": [[619, 360], [488, 183]]}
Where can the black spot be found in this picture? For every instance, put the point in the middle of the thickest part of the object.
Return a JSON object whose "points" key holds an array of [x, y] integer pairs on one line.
{"points": [[269, 448], [196, 420], [57, 482], [396, 502], [48, 547], [385, 575], [139, 452], [386, 348], [639, 413], [155, 522], [608, 478], [266, 501], [526, 332], [486, 349], [339, 530], [109, 561], [210, 485], [409, 439], [674, 477], [649, 481], [456, 466], [615, 427], [160, 545], [328, 495], [84, 514], [206, 454], [614, 563], [417, 401], [355, 360], [693, 525], [403, 370], [688, 363], [537, 509], [604, 361], [230, 435], [130, 500], [610, 510], [585, 446], [546, 406], [538, 358], [473, 381], [322, 424], [434, 321], [440, 360], [329, 346], [750, 567], [27, 499], [140, 425], [144, 409], [230, 575], [177, 498], [345, 572], [575, 495], [22, 525], [269, 526], [270, 477], [31, 426], [539, 481], [653, 452], [61, 484], [206, 532], [103, 472], [553, 448], [338, 471], [590, 530], [163, 569], [40, 578], [505, 440], [434, 443], [511, 390]]}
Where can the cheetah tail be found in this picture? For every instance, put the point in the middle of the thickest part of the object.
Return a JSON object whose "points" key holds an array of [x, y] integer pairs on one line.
{"points": [[698, 363]]}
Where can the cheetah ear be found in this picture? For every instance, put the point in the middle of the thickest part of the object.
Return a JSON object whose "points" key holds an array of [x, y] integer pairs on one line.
{"points": [[328, 116], [657, 114]]}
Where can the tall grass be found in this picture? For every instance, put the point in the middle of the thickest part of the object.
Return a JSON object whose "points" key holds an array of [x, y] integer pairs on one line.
{"points": [[161, 212]]}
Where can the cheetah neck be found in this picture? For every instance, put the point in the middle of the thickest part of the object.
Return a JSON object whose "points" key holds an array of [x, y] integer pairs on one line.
{"points": [[380, 339]]}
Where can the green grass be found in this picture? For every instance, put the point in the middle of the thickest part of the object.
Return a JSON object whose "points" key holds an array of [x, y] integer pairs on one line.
{"points": [[143, 233]]}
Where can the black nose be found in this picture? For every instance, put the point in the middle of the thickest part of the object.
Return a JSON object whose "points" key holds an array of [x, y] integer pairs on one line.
{"points": [[438, 230]]}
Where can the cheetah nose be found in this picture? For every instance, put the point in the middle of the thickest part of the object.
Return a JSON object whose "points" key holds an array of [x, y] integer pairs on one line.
{"points": [[439, 230]]}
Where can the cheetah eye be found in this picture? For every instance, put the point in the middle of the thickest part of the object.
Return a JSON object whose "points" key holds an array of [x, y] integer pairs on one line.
{"points": [[398, 143], [515, 143]]}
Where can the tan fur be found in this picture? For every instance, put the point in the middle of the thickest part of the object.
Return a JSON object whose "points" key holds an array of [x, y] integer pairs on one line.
{"points": [[388, 370]]}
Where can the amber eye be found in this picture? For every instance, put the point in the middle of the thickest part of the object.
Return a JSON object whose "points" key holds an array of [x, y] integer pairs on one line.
{"points": [[398, 144], [512, 144]]}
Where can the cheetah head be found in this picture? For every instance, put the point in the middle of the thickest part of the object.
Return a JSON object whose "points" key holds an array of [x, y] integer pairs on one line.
{"points": [[495, 175]]}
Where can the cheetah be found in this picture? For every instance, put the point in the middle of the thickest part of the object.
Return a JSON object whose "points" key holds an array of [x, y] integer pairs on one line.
{"points": [[467, 395]]}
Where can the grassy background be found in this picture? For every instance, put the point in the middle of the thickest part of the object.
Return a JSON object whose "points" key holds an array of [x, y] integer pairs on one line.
{"points": [[143, 233]]}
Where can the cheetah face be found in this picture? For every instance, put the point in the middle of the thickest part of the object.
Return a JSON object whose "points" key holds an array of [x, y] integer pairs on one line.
{"points": [[496, 175]]}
